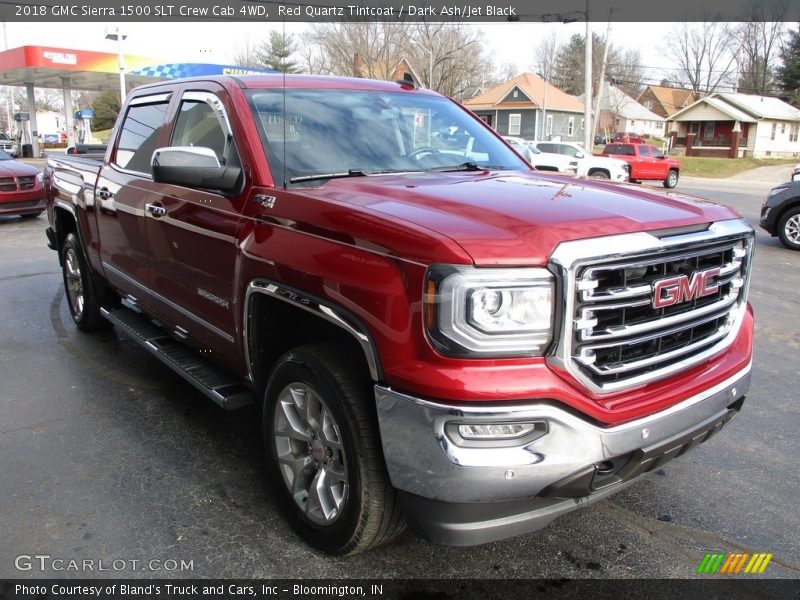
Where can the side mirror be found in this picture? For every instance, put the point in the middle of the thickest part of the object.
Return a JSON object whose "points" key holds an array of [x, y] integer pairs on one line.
{"points": [[194, 167], [580, 155]]}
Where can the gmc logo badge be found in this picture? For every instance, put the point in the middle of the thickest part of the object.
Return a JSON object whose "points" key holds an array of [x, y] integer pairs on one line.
{"points": [[674, 290]]}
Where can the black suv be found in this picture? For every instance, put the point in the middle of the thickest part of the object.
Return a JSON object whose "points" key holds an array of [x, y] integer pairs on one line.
{"points": [[780, 214]]}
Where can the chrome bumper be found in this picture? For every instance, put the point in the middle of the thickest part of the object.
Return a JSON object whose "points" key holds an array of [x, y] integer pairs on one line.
{"points": [[423, 458]]}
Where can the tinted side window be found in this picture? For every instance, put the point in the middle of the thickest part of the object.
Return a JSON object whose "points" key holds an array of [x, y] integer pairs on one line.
{"points": [[197, 125], [568, 150], [553, 148], [644, 151], [139, 136], [621, 149]]}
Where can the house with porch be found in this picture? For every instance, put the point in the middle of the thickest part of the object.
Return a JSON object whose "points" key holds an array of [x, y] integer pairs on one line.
{"points": [[736, 125], [529, 107]]}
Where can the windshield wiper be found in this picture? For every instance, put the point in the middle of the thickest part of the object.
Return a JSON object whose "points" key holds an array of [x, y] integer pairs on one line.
{"points": [[469, 166], [317, 176]]}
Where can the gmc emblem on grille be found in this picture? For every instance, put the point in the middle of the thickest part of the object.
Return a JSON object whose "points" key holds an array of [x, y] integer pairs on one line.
{"points": [[674, 290]]}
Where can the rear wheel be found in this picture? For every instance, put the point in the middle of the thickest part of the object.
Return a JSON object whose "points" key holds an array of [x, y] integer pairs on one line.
{"points": [[672, 179], [79, 286], [789, 229], [321, 438]]}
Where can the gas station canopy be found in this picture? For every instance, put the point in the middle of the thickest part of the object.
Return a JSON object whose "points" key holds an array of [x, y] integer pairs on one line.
{"points": [[69, 69], [46, 67]]}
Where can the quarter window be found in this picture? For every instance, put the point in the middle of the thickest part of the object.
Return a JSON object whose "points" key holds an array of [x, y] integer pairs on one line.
{"points": [[139, 136]]}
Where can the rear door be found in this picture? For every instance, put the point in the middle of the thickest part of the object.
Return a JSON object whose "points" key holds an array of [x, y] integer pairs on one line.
{"points": [[193, 232], [124, 187]]}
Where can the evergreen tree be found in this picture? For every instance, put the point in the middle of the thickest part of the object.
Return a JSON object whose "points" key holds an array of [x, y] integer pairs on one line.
{"points": [[106, 108], [277, 52], [788, 74]]}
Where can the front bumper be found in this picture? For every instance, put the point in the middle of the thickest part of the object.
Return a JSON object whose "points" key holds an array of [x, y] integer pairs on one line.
{"points": [[460, 495], [23, 207]]}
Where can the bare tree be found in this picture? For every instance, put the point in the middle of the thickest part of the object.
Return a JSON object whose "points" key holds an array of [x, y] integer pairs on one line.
{"points": [[246, 54], [545, 55], [312, 60], [461, 62], [627, 72], [454, 52], [705, 54], [759, 41], [362, 47]]}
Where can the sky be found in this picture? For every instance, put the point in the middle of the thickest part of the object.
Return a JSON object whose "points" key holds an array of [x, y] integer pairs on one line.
{"points": [[216, 43]]}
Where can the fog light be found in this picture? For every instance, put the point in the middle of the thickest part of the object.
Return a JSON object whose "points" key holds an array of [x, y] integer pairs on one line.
{"points": [[495, 431]]}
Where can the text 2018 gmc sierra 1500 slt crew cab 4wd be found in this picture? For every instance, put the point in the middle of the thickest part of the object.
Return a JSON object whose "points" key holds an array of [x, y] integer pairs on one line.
{"points": [[432, 332]]}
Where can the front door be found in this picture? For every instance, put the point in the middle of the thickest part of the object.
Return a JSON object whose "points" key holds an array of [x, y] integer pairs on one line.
{"points": [[192, 233]]}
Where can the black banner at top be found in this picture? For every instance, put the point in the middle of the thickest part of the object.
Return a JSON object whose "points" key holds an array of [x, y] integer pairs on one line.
{"points": [[470, 11]]}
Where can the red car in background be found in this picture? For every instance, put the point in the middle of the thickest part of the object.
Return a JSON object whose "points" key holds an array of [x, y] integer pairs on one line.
{"points": [[646, 162], [628, 138], [21, 188]]}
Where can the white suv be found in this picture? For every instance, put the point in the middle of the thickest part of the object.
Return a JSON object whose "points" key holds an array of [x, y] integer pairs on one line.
{"points": [[543, 161], [589, 165]]}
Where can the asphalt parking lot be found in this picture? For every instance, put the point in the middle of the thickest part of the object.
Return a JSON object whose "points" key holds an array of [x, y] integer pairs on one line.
{"points": [[107, 455]]}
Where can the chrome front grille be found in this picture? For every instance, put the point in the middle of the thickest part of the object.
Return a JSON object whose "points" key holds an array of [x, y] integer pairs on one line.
{"points": [[12, 184], [616, 334], [26, 182]]}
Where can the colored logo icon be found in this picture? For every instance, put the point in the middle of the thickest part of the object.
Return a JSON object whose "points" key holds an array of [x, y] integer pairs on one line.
{"points": [[736, 563]]}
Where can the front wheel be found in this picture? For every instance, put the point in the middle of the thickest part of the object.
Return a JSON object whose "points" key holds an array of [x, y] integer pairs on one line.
{"points": [[321, 438], [789, 229], [672, 179], [79, 286]]}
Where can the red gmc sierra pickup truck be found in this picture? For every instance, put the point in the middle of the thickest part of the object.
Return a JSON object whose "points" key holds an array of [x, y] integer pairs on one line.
{"points": [[432, 333]]}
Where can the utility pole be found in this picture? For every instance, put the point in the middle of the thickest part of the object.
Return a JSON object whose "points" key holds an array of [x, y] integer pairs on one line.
{"points": [[587, 84], [602, 79]]}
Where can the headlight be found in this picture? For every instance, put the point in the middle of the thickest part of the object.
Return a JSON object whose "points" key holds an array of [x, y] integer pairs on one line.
{"points": [[40, 177], [489, 312], [775, 191]]}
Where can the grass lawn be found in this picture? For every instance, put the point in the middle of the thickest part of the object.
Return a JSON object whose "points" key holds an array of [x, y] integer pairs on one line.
{"points": [[717, 168]]}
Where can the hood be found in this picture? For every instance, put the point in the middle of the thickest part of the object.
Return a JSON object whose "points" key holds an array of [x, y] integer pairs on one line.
{"points": [[13, 168], [518, 218]]}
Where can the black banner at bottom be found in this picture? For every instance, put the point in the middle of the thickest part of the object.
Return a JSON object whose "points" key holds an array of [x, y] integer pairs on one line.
{"points": [[397, 589]]}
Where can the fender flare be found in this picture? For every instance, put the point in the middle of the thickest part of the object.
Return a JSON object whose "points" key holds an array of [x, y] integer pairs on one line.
{"points": [[336, 315]]}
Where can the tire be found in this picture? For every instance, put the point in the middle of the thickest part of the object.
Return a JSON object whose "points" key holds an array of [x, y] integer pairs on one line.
{"points": [[84, 306], [327, 465], [672, 179], [599, 175], [788, 229]]}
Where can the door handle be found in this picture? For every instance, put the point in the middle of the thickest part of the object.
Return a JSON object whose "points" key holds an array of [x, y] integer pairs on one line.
{"points": [[105, 194], [155, 209]]}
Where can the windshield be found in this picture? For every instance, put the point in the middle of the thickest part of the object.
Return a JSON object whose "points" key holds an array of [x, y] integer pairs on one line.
{"points": [[354, 133]]}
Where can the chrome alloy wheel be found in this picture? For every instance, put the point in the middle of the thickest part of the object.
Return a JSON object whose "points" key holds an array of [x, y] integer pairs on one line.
{"points": [[72, 274], [310, 453], [792, 229]]}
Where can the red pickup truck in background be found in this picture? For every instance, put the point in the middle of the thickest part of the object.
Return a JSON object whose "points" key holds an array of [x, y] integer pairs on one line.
{"points": [[431, 332], [647, 162]]}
